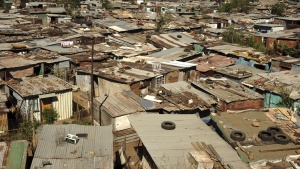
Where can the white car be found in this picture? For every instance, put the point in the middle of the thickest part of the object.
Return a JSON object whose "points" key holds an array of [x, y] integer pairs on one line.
{"points": [[70, 138]]}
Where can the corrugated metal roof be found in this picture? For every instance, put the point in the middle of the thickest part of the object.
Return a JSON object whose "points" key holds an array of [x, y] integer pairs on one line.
{"points": [[116, 24], [127, 76], [212, 61], [274, 81], [170, 148], [182, 86], [234, 91], [243, 122], [61, 50], [146, 104], [245, 71], [99, 141], [33, 86], [120, 104], [19, 61], [175, 53]]}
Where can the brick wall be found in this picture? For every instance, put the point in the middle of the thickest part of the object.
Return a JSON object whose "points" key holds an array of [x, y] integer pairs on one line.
{"points": [[242, 105]]}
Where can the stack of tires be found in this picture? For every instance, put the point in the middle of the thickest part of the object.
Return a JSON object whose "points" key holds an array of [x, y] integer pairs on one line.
{"points": [[272, 133]]}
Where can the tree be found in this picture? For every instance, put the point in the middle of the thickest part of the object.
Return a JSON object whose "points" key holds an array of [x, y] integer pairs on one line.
{"points": [[226, 7], [232, 35], [278, 9], [162, 19], [49, 115], [285, 101], [238, 5], [26, 128], [107, 5]]}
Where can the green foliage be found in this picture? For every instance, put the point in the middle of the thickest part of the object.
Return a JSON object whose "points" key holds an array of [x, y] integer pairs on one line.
{"points": [[285, 98], [65, 122], [238, 5], [26, 129], [85, 121], [226, 7], [49, 115], [162, 19], [232, 35], [278, 9], [107, 5], [285, 50], [2, 3]]}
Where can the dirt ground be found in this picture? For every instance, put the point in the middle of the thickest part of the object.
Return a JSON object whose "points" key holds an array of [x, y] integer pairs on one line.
{"points": [[131, 152]]}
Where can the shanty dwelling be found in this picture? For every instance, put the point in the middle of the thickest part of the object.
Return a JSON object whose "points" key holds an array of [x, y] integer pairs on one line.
{"points": [[172, 71], [238, 72], [177, 53], [118, 77], [182, 98], [244, 55], [170, 141], [173, 40], [31, 95], [275, 84], [265, 28], [74, 146], [114, 110], [261, 138], [207, 63], [229, 94], [38, 64], [284, 63]]}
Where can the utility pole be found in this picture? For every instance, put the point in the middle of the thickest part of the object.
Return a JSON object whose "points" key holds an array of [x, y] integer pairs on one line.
{"points": [[92, 80]]}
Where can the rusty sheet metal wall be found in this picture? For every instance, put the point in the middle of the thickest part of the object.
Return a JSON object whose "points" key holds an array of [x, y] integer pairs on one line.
{"points": [[136, 88], [22, 73], [63, 105], [172, 77], [108, 87]]}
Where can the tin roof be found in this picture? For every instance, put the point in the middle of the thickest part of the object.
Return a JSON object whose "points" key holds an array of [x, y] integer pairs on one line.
{"points": [[274, 81], [227, 90], [94, 151], [187, 96], [33, 86], [170, 148], [212, 61], [171, 40], [117, 25], [239, 71], [243, 122], [120, 104], [175, 53], [127, 76]]}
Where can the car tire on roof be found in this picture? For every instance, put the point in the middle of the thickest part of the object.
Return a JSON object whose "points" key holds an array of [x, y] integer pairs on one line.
{"points": [[265, 135], [281, 138], [274, 130], [237, 136], [168, 125]]}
